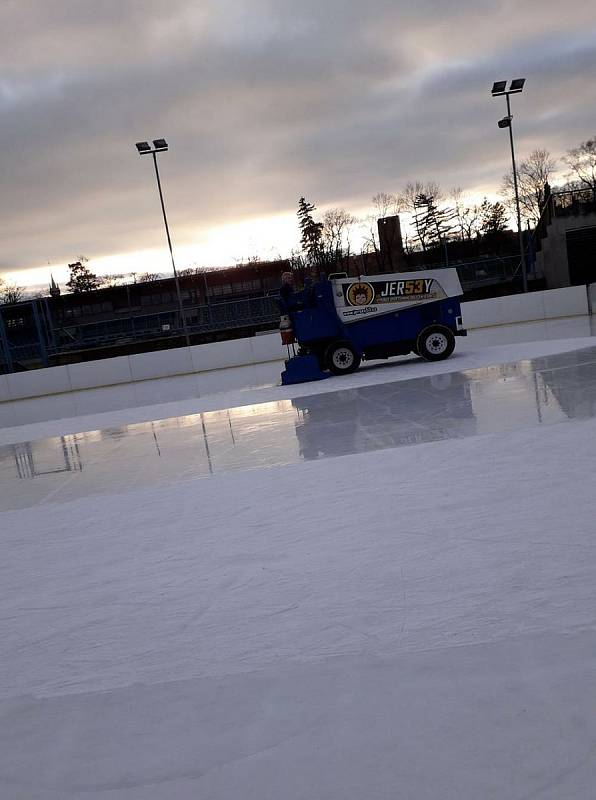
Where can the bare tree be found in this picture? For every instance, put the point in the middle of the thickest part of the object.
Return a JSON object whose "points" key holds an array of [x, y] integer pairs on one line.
{"points": [[456, 194], [581, 161], [370, 235], [408, 243], [145, 277], [415, 189], [110, 281], [471, 221], [467, 216], [532, 175], [299, 266], [255, 258], [10, 293], [337, 225], [386, 205]]}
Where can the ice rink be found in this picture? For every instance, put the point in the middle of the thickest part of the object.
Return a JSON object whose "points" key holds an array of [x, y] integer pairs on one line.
{"points": [[379, 586], [452, 405]]}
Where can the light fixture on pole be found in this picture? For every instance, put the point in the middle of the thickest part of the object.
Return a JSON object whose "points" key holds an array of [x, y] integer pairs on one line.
{"points": [[144, 149], [499, 90]]}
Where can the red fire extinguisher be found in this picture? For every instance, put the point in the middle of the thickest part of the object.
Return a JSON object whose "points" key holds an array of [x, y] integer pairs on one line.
{"points": [[286, 330]]}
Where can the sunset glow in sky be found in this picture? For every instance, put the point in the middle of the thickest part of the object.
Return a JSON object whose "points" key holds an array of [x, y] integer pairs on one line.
{"points": [[262, 102]]}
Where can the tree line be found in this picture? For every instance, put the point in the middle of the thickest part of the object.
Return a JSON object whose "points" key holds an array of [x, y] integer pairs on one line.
{"points": [[326, 243], [437, 218], [440, 218]]}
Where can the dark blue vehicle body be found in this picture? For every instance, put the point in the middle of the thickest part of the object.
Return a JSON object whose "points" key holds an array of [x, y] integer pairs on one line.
{"points": [[317, 325]]}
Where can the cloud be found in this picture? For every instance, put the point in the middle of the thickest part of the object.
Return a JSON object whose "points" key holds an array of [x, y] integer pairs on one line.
{"points": [[262, 102]]}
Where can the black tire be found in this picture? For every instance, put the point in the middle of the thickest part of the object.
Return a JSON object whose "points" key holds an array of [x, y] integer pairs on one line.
{"points": [[341, 358], [435, 343]]}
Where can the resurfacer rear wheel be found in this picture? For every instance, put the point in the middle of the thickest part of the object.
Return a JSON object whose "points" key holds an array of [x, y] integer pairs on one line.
{"points": [[341, 358], [435, 343]]}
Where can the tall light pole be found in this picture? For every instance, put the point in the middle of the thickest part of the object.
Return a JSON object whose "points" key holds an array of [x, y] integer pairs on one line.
{"points": [[144, 149], [500, 89]]}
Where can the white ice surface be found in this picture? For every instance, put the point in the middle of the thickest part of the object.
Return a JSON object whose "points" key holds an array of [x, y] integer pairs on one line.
{"points": [[130, 408], [408, 623]]}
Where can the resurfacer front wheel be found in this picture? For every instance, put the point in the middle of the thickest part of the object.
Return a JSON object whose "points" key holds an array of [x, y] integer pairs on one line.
{"points": [[341, 358], [435, 343]]}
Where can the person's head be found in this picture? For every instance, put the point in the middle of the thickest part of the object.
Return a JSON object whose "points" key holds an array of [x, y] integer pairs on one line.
{"points": [[287, 278], [360, 297]]}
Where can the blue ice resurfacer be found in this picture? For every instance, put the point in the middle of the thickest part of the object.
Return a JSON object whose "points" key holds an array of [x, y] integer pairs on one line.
{"points": [[339, 321]]}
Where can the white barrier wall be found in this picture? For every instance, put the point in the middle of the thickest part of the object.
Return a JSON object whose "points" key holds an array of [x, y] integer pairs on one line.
{"points": [[592, 298], [104, 372], [4, 395], [568, 302], [142, 366], [534, 306], [38, 382]]}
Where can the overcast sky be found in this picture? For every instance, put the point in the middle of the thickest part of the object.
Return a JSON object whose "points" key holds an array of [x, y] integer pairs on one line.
{"points": [[262, 101]]}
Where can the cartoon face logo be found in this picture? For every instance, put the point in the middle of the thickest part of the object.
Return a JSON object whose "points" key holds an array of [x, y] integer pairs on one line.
{"points": [[360, 294]]}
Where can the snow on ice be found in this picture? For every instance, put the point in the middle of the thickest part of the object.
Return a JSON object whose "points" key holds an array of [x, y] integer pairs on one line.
{"points": [[414, 622]]}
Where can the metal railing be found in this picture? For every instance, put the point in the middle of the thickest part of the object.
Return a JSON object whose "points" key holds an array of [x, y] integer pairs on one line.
{"points": [[474, 274], [574, 203], [34, 344], [227, 315], [486, 272], [568, 203], [23, 336]]}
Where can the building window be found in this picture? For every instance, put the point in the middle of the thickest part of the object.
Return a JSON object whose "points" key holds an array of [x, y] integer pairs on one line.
{"points": [[190, 295], [15, 322]]}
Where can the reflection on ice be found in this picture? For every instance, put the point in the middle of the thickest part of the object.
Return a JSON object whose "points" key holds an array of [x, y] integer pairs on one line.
{"points": [[388, 415], [49, 459], [452, 405]]}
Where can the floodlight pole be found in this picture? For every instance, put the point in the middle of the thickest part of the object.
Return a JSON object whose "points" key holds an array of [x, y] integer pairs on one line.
{"points": [[161, 146], [516, 190], [176, 281]]}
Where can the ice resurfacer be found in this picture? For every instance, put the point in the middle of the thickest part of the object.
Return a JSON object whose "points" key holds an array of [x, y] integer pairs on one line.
{"points": [[339, 321]]}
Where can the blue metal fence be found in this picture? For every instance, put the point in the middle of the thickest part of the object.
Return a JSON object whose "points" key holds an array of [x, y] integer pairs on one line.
{"points": [[23, 336], [30, 338], [228, 315]]}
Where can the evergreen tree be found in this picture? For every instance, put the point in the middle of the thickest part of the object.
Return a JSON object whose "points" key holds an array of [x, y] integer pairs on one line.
{"points": [[311, 233], [420, 219], [494, 217], [433, 224], [81, 278]]}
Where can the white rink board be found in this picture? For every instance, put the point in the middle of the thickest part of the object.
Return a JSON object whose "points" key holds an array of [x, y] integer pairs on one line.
{"points": [[535, 306], [531, 307]]}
